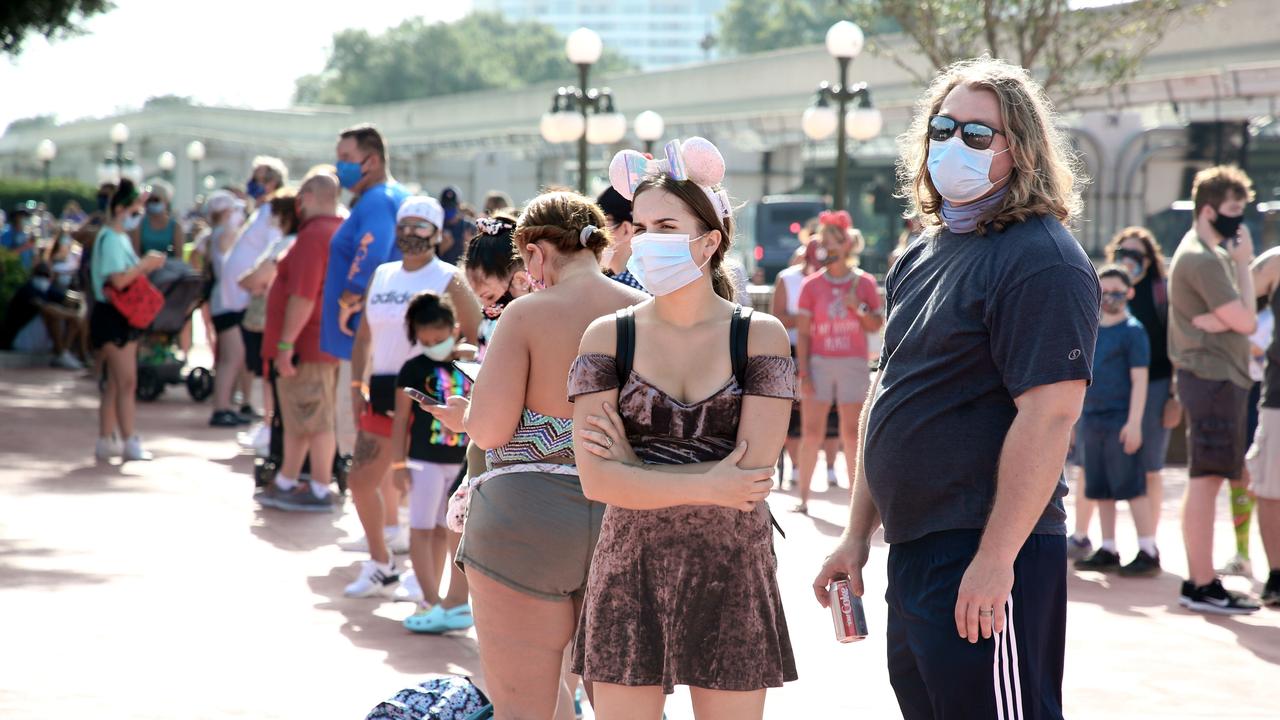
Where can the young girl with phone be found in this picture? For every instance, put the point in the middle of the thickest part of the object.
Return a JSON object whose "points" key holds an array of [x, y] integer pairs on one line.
{"points": [[429, 457]]}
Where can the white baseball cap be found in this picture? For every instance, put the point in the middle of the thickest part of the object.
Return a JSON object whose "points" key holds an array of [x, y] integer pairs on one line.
{"points": [[423, 206], [221, 200]]}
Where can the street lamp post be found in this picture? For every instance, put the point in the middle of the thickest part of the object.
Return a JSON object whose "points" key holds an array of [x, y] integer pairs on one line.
{"points": [[649, 128], [167, 162], [570, 119], [844, 42], [46, 151], [120, 136], [195, 153]]}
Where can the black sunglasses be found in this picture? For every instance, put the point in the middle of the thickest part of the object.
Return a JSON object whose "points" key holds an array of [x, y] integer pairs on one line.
{"points": [[976, 135], [1115, 295]]}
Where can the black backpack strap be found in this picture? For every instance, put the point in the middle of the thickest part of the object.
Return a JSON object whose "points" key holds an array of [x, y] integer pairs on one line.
{"points": [[739, 331], [625, 351]]}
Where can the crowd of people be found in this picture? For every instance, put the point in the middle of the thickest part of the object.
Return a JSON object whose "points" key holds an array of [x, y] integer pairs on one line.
{"points": [[585, 417]]}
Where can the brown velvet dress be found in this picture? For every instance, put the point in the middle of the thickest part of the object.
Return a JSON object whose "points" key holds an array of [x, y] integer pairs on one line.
{"points": [[686, 595]]}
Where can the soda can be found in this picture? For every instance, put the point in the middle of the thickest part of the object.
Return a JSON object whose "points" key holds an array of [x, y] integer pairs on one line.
{"points": [[846, 612]]}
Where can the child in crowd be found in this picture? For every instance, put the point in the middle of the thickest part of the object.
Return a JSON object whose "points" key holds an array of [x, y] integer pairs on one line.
{"points": [[429, 459], [1110, 431]]}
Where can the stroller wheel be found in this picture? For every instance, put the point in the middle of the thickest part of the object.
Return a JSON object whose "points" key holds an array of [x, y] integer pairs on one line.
{"points": [[150, 384], [341, 467], [264, 471], [200, 384]]}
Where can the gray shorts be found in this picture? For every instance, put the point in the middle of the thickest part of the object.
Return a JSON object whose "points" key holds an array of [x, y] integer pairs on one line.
{"points": [[839, 380], [1263, 459], [533, 532]]}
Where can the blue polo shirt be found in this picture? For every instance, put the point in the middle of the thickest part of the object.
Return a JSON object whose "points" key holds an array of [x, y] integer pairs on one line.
{"points": [[365, 240], [13, 239]]}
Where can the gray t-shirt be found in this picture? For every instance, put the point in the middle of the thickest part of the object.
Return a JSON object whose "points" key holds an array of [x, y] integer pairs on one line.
{"points": [[973, 322]]}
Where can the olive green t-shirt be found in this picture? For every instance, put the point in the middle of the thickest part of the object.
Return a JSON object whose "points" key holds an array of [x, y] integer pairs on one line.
{"points": [[1202, 279]]}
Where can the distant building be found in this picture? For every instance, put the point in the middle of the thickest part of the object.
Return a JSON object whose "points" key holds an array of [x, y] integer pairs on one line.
{"points": [[651, 33]]}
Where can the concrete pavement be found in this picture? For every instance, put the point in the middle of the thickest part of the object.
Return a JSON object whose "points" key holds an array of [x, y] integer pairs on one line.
{"points": [[160, 590]]}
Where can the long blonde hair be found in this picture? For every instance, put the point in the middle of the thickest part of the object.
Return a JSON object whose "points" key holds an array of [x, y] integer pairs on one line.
{"points": [[1046, 177]]}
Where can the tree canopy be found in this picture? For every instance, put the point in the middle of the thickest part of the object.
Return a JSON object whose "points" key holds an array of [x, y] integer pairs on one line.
{"points": [[418, 60], [1067, 48], [50, 18]]}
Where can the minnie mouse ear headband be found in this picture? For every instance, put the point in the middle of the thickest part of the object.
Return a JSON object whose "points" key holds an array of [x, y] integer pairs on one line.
{"points": [[494, 225], [696, 160], [839, 218]]}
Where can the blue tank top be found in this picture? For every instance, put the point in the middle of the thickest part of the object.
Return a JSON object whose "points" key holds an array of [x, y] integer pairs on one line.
{"points": [[159, 240]]}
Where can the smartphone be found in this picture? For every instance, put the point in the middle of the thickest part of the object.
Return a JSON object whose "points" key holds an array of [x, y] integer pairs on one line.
{"points": [[470, 369], [421, 396]]}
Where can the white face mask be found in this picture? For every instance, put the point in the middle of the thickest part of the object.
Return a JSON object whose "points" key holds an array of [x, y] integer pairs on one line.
{"points": [[441, 351], [663, 262], [959, 172]]}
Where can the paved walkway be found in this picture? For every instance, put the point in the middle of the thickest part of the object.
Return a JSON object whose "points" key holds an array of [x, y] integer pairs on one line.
{"points": [[160, 590]]}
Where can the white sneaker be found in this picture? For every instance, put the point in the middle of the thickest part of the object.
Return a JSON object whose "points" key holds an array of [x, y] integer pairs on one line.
{"points": [[133, 449], [257, 438], [374, 581], [831, 478], [409, 588], [108, 447], [1238, 565], [67, 361], [399, 542]]}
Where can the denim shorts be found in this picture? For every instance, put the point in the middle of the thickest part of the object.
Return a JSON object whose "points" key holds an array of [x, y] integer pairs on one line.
{"points": [[1109, 472], [1155, 437]]}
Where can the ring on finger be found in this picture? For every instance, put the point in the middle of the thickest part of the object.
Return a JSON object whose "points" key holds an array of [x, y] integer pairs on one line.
{"points": [[608, 441], [986, 612]]}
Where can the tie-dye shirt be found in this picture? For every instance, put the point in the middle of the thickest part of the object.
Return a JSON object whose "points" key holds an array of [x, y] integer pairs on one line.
{"points": [[429, 440]]}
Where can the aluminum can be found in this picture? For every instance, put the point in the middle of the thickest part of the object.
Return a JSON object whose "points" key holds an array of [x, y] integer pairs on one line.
{"points": [[846, 612]]}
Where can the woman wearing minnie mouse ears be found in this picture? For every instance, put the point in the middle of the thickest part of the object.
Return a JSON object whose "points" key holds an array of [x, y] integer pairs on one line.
{"points": [[680, 410], [839, 305]]}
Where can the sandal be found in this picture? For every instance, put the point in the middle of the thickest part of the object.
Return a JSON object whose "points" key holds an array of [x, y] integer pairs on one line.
{"points": [[802, 508], [458, 618], [428, 620]]}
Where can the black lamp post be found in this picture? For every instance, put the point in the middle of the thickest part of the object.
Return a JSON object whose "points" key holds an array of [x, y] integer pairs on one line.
{"points": [[844, 42], [46, 151], [583, 114]]}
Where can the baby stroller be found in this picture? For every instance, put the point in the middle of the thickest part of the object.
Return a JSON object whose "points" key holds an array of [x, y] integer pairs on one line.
{"points": [[158, 366]]}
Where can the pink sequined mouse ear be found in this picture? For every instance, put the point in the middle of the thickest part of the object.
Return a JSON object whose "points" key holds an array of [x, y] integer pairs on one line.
{"points": [[626, 172], [703, 162]]}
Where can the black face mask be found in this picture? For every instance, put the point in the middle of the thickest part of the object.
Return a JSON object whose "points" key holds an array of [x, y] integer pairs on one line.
{"points": [[410, 244], [1227, 225]]}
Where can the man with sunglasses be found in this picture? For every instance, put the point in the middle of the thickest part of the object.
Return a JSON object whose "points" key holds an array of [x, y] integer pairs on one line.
{"points": [[992, 318], [365, 240]]}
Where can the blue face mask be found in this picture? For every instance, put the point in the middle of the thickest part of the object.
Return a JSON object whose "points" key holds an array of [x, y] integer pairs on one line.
{"points": [[349, 173], [255, 189], [155, 208], [132, 222]]}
